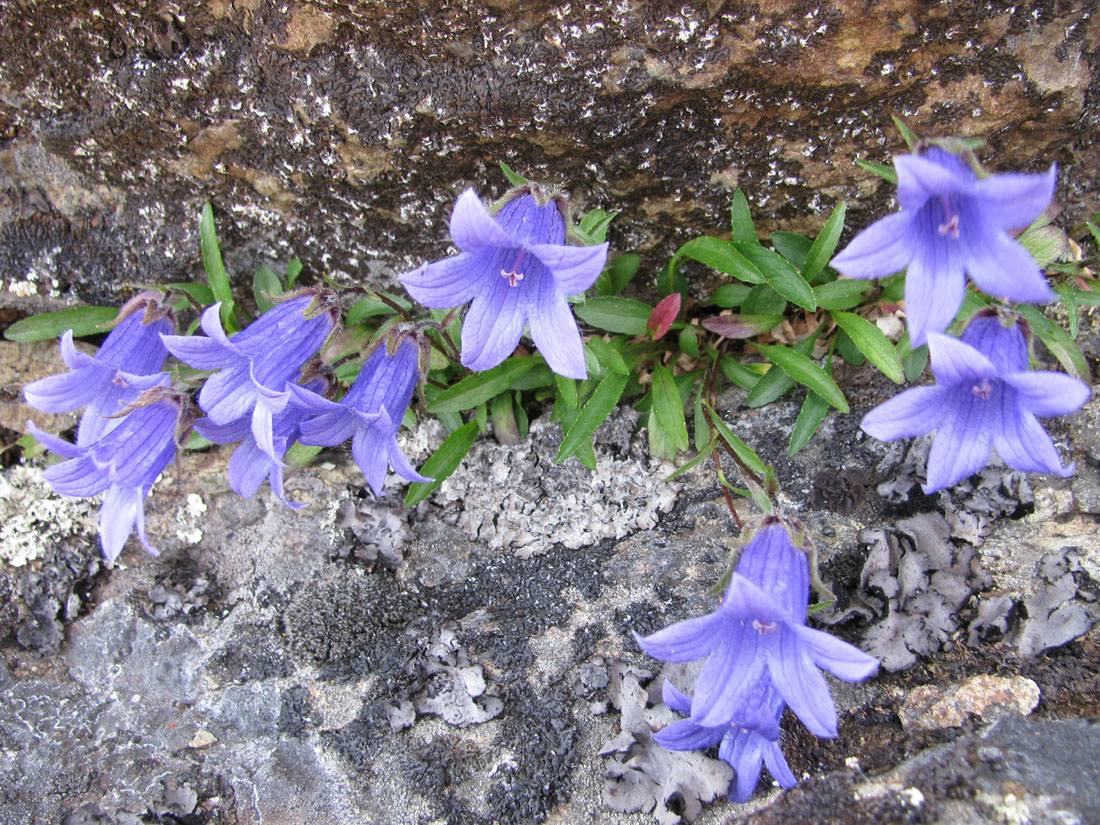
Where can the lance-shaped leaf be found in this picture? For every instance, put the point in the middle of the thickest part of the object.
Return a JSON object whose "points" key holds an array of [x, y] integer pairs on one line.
{"points": [[741, 326]]}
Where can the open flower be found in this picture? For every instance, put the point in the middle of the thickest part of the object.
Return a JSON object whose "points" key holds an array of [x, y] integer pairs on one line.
{"points": [[760, 656], [124, 464], [370, 414], [255, 365], [985, 397], [952, 224], [249, 465], [125, 366], [515, 269]]}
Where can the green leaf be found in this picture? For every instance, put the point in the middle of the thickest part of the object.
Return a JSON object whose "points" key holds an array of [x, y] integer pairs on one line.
{"points": [[915, 362], [720, 255], [538, 377], [481, 386], [608, 357], [592, 414], [618, 274], [442, 463], [215, 268], [668, 408], [800, 368], [700, 427], [293, 270], [742, 450], [728, 296], [792, 246], [689, 341], [911, 139], [513, 178], [265, 286], [779, 274], [813, 412], [824, 245], [299, 455], [739, 374], [847, 349], [887, 173], [741, 219], [871, 341], [704, 453], [841, 294], [763, 300], [200, 292], [367, 308], [1059, 343], [971, 303], [502, 412], [197, 442], [593, 226], [615, 314], [81, 320], [32, 447], [1046, 244], [567, 390]]}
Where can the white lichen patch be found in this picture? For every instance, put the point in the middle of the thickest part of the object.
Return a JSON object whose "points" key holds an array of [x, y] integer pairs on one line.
{"points": [[518, 498], [33, 517], [189, 517]]}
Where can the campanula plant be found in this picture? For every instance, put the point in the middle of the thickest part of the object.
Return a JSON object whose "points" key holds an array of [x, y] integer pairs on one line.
{"points": [[952, 223], [985, 397], [123, 464], [515, 269], [125, 366]]}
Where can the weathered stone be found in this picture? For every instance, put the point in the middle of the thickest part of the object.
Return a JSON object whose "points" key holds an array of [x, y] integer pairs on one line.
{"points": [[929, 707]]}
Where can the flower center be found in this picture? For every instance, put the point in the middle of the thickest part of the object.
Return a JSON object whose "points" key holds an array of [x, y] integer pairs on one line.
{"points": [[763, 627], [982, 389], [950, 226], [514, 275], [119, 380]]}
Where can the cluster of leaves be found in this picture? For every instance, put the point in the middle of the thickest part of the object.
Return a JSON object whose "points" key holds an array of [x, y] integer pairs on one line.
{"points": [[777, 319]]}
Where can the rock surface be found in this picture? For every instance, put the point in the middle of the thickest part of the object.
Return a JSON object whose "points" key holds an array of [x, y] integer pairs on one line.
{"points": [[341, 132]]}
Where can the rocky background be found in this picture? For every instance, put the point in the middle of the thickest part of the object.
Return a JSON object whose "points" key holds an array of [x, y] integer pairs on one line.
{"points": [[470, 660]]}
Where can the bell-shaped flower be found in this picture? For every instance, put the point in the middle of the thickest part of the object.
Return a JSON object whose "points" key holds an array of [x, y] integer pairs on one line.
{"points": [[744, 749], [516, 270], [249, 465], [124, 464], [370, 414], [952, 224], [256, 364], [126, 365], [985, 397]]}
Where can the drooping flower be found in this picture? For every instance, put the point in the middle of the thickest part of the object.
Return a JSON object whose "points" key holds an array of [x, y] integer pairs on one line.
{"points": [[760, 655], [516, 269], [952, 224], [744, 749], [370, 414], [249, 465], [256, 364], [124, 464], [985, 397], [126, 365]]}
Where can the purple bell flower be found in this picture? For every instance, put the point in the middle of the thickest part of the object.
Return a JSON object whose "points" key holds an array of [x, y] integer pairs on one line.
{"points": [[249, 465], [125, 366], [985, 397], [370, 414], [255, 365], [760, 655], [952, 224], [516, 269], [124, 464]]}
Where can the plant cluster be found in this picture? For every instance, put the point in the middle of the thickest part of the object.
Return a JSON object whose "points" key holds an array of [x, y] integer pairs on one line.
{"points": [[320, 366]]}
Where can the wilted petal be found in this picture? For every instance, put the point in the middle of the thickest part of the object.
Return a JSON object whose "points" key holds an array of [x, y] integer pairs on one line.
{"points": [[930, 175], [1013, 201], [492, 327], [448, 283], [575, 268], [955, 363], [800, 684], [884, 248], [473, 228], [728, 676], [67, 391], [116, 519], [1023, 444], [1004, 269], [686, 735], [684, 641], [908, 414], [841, 659], [1048, 393], [555, 332], [962, 442]]}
